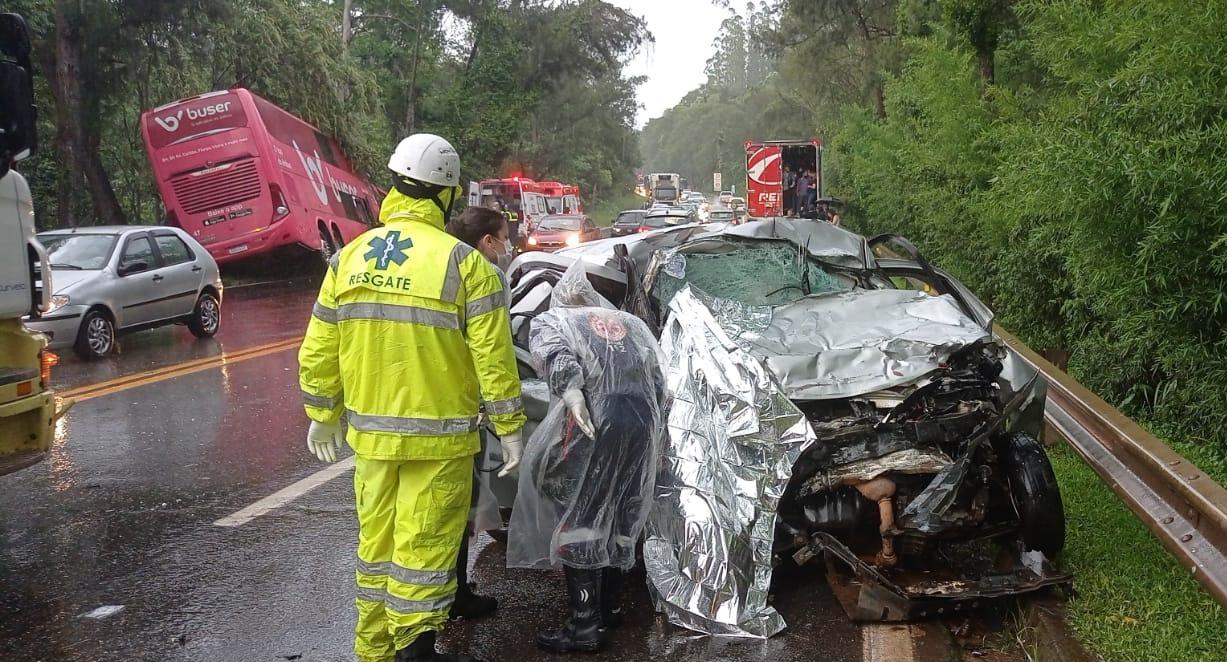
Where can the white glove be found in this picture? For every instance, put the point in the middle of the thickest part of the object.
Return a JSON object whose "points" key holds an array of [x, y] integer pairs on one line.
{"points": [[513, 448], [574, 399], [324, 440]]}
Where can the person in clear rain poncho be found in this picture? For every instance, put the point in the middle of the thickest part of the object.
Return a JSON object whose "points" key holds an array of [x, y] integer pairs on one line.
{"points": [[589, 471]]}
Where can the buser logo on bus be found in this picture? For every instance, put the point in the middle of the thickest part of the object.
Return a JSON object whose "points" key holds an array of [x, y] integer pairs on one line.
{"points": [[315, 172], [171, 123]]}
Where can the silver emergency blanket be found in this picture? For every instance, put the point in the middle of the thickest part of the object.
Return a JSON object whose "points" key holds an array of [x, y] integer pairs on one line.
{"points": [[583, 502], [733, 437]]}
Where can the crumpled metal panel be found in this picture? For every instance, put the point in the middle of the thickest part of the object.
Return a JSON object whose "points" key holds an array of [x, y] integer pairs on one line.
{"points": [[910, 461], [822, 240], [733, 439], [856, 342]]}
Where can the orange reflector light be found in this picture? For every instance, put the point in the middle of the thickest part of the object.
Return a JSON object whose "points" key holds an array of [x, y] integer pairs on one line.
{"points": [[25, 388], [46, 361]]}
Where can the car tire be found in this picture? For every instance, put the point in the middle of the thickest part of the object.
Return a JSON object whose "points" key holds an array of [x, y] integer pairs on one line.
{"points": [[95, 336], [206, 319], [1036, 495]]}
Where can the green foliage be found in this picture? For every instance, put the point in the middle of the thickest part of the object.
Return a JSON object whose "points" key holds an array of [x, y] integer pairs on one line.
{"points": [[1082, 194], [1139, 605], [492, 83]]}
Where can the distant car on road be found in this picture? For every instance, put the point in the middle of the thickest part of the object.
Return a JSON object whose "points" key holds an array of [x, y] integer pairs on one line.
{"points": [[737, 203], [560, 231], [627, 222], [726, 197], [721, 215], [667, 218], [119, 279]]}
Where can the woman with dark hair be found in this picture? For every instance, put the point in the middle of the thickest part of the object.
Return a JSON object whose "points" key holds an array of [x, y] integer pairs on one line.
{"points": [[486, 230]]}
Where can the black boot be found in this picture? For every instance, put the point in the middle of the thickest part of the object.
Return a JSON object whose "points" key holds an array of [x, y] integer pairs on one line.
{"points": [[611, 597], [582, 631], [468, 604], [423, 650]]}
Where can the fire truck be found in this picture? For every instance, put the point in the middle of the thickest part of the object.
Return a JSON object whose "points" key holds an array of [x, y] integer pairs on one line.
{"points": [[767, 166]]}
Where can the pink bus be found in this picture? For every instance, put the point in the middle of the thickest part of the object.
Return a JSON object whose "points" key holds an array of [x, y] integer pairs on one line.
{"points": [[245, 177]]}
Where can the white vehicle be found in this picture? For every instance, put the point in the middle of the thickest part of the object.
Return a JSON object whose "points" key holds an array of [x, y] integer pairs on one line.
{"points": [[726, 197], [27, 404], [666, 187]]}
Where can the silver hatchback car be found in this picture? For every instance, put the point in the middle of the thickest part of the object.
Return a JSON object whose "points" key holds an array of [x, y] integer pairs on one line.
{"points": [[118, 279]]}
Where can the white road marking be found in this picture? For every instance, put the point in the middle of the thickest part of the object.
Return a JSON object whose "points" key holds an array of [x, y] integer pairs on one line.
{"points": [[287, 494], [881, 642]]}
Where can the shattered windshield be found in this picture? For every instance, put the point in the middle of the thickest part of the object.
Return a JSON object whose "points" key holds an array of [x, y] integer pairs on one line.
{"points": [[756, 273]]}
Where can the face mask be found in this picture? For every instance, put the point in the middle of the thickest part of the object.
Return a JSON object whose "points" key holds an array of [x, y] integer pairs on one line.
{"points": [[504, 259]]}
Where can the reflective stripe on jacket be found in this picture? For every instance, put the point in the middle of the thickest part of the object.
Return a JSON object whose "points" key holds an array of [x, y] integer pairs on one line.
{"points": [[409, 335]]}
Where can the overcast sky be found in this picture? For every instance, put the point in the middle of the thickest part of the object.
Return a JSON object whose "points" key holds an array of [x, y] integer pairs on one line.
{"points": [[684, 30]]}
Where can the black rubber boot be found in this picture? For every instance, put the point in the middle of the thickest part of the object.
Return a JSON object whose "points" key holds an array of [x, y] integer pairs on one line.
{"points": [[582, 631], [468, 604], [423, 650], [611, 597]]}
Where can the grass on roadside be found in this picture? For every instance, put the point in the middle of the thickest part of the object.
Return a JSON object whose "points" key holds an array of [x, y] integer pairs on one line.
{"points": [[1134, 601]]}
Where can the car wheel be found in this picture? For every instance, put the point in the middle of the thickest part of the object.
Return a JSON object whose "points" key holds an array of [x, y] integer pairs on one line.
{"points": [[1036, 496], [207, 318], [96, 336]]}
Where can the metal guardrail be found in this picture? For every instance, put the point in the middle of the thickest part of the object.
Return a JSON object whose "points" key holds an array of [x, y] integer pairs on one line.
{"points": [[1182, 506]]}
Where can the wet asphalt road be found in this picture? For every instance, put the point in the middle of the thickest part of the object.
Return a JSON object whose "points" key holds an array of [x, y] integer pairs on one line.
{"points": [[122, 511]]}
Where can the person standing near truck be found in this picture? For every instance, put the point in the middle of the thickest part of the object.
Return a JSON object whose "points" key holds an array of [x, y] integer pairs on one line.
{"points": [[409, 340], [803, 188], [790, 192]]}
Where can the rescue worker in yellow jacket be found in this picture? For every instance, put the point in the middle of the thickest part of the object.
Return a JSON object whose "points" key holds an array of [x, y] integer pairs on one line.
{"points": [[408, 343]]}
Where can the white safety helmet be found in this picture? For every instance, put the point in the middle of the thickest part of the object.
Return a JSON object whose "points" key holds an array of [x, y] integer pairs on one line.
{"points": [[426, 158]]}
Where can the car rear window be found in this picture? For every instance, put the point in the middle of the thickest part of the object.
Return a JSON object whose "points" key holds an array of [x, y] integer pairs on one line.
{"points": [[173, 250]]}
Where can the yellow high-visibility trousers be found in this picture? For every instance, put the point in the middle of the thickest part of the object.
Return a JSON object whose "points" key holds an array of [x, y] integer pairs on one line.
{"points": [[411, 516]]}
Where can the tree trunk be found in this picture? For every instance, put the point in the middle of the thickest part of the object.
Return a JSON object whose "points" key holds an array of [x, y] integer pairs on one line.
{"points": [[879, 101], [411, 106], [67, 177], [985, 63], [347, 25], [78, 152]]}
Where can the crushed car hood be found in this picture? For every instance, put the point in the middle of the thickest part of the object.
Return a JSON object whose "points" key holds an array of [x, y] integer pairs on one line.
{"points": [[851, 343]]}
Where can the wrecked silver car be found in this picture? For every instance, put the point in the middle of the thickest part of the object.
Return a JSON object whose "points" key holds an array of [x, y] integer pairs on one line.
{"points": [[835, 399]]}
